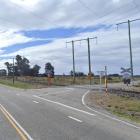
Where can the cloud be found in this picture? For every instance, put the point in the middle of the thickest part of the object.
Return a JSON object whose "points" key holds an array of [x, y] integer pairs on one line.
{"points": [[10, 37], [112, 48], [40, 14]]}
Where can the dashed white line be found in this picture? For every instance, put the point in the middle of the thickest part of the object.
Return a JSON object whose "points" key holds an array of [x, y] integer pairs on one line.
{"points": [[75, 119], [36, 102], [60, 104]]}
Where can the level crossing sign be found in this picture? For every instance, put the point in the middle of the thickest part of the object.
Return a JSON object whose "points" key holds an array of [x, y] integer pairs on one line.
{"points": [[126, 72]]}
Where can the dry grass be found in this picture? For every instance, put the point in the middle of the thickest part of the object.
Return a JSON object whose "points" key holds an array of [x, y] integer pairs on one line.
{"points": [[19, 84], [122, 106], [67, 80]]}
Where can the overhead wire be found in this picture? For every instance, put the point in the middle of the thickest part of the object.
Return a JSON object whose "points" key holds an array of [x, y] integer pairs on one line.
{"points": [[136, 5], [109, 13], [27, 10], [35, 15]]}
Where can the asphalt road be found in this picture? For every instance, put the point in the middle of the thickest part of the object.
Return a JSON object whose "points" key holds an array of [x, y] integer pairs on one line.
{"points": [[57, 114]]}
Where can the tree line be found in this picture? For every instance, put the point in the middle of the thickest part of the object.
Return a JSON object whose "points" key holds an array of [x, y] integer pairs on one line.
{"points": [[22, 67]]}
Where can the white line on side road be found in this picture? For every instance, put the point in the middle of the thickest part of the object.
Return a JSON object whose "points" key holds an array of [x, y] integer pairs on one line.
{"points": [[103, 114], [83, 97], [75, 119], [60, 104], [36, 102]]}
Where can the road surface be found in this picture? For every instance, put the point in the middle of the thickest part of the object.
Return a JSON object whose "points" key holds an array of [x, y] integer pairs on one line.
{"points": [[57, 114]]}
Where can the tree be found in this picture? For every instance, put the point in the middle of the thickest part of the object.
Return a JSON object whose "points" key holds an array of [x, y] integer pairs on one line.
{"points": [[23, 67], [77, 74], [35, 70], [9, 68], [3, 72], [49, 69], [71, 73]]}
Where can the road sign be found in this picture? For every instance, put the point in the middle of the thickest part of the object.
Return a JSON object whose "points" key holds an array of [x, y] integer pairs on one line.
{"points": [[126, 75], [127, 70]]}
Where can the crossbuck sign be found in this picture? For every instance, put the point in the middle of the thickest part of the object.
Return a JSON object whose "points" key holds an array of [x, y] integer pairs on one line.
{"points": [[126, 72]]}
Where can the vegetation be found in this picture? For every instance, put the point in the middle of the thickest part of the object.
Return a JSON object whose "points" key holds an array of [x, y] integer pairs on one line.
{"points": [[49, 70], [17, 84], [22, 67], [122, 106]]}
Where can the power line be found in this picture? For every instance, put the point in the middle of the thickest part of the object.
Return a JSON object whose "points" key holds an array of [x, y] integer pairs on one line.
{"points": [[136, 5], [130, 42], [35, 15], [89, 59], [102, 16], [86, 7]]}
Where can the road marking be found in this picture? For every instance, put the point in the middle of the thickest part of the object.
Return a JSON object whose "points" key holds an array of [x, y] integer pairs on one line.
{"points": [[103, 114], [36, 102], [60, 104], [20, 130], [83, 97], [59, 92], [70, 88], [75, 119]]}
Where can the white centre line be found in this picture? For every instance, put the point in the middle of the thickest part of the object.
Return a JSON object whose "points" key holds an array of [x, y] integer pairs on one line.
{"points": [[66, 106], [36, 102], [75, 119]]}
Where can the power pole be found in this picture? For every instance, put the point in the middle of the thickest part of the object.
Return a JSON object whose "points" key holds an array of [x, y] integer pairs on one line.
{"points": [[130, 44], [89, 59], [101, 74], [13, 71], [73, 54], [106, 80], [89, 56]]}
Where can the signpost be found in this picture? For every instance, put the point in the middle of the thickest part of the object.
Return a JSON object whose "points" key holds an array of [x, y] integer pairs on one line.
{"points": [[101, 74], [49, 75], [126, 73]]}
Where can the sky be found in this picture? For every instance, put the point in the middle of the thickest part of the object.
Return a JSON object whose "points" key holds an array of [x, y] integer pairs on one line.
{"points": [[39, 30]]}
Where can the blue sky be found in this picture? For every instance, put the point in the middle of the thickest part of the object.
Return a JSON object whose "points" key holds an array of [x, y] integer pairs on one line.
{"points": [[44, 37], [62, 32]]}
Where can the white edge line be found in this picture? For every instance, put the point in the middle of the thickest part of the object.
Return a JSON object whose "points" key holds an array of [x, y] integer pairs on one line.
{"points": [[23, 130], [113, 118], [75, 119], [60, 104], [36, 102], [83, 97]]}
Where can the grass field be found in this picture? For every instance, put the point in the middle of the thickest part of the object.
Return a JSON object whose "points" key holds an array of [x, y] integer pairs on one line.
{"points": [[19, 84], [67, 80], [39, 82], [128, 108]]}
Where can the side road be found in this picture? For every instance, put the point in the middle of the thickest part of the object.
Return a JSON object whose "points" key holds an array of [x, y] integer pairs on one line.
{"points": [[58, 114]]}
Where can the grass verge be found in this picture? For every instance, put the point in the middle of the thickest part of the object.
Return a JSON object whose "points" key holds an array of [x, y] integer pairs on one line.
{"points": [[128, 108], [17, 84]]}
